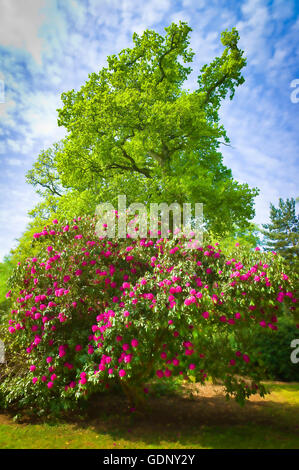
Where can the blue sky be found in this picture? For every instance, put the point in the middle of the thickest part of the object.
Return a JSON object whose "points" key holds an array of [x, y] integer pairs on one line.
{"points": [[50, 46]]}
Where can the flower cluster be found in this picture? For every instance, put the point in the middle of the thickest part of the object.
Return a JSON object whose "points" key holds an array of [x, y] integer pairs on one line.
{"points": [[90, 312]]}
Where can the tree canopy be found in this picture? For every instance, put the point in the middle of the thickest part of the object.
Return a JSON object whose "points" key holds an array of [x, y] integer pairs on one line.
{"points": [[133, 129], [282, 233]]}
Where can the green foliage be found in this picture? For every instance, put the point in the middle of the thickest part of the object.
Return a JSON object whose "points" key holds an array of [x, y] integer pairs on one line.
{"points": [[248, 238], [43, 176], [136, 308], [282, 233], [6, 268], [132, 129], [275, 350]]}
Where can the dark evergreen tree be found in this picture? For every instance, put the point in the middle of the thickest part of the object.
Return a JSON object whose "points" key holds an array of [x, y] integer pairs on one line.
{"points": [[282, 233]]}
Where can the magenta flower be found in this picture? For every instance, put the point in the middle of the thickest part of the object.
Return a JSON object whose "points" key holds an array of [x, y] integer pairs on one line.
{"points": [[246, 358]]}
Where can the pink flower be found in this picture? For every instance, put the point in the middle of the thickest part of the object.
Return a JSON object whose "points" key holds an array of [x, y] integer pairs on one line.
{"points": [[246, 358], [134, 343], [160, 374], [192, 366], [49, 359], [122, 372], [50, 384], [128, 358], [34, 380], [205, 314], [32, 368]]}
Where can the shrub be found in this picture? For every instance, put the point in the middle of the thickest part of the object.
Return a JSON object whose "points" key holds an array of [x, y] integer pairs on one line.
{"points": [[276, 350], [90, 312]]}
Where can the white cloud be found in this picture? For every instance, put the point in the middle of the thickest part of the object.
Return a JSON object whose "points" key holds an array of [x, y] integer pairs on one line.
{"points": [[14, 161], [254, 29], [41, 116], [129, 14], [13, 214], [20, 23]]}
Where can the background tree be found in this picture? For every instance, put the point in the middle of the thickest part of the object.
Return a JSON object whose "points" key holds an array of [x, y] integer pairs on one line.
{"points": [[248, 237], [132, 129], [282, 233], [6, 268]]}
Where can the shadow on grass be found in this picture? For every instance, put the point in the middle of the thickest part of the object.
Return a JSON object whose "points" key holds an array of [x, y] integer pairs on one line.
{"points": [[200, 417], [199, 421]]}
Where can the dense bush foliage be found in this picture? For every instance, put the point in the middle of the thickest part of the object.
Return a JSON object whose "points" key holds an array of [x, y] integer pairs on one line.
{"points": [[88, 312], [276, 349]]}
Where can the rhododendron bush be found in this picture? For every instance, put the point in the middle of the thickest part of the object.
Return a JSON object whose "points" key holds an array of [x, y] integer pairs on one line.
{"points": [[90, 312]]}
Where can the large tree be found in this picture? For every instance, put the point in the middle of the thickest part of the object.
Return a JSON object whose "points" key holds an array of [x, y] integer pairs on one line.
{"points": [[132, 129], [282, 233]]}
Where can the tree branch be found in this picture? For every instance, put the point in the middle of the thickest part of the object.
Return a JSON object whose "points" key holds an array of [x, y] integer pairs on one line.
{"points": [[172, 47]]}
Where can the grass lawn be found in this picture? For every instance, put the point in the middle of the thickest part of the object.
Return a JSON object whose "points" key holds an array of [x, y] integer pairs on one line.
{"points": [[196, 418]]}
